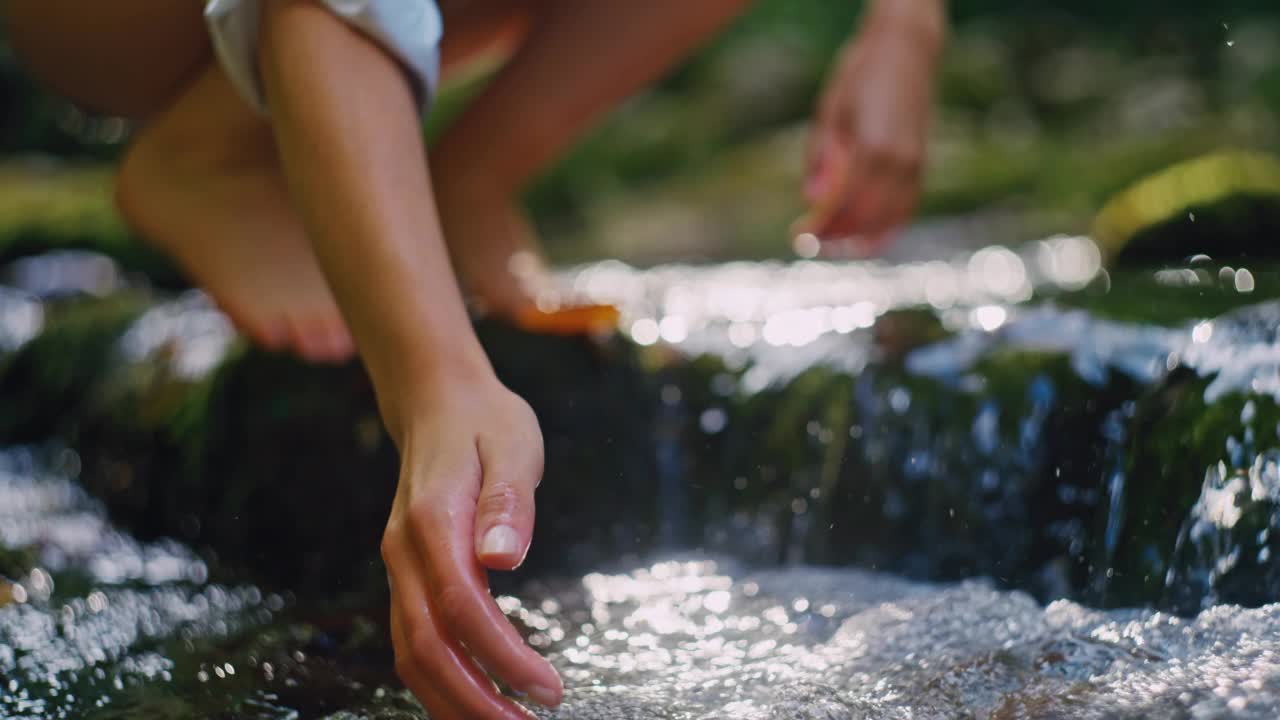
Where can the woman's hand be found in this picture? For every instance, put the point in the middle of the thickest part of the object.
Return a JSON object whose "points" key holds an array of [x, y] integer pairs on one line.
{"points": [[868, 143], [350, 141], [464, 503]]}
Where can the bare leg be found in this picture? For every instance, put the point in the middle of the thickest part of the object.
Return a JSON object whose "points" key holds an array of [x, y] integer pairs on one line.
{"points": [[202, 180], [126, 57], [203, 151], [475, 28], [581, 58], [471, 453]]}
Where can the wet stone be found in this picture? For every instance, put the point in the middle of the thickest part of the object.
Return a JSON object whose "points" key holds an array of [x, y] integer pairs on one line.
{"points": [[1193, 499]]}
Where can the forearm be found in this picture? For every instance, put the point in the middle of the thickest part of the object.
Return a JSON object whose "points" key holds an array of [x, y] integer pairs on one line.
{"points": [[349, 139], [926, 18]]}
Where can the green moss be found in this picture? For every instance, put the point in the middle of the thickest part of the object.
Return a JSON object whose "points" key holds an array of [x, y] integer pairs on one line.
{"points": [[65, 208], [1142, 297], [1176, 441], [1223, 202], [46, 378]]}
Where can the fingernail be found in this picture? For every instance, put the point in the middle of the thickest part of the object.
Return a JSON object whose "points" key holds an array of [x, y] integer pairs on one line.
{"points": [[546, 697], [500, 540]]}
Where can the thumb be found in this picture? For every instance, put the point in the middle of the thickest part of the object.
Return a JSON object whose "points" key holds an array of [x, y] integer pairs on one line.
{"points": [[512, 468]]}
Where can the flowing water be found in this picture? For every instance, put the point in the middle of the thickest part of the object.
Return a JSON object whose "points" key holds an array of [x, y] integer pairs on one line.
{"points": [[111, 628], [990, 453]]}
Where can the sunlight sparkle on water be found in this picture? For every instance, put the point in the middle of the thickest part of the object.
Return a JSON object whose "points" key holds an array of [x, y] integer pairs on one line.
{"points": [[757, 312], [189, 332], [645, 331], [697, 634], [1244, 281], [673, 329], [21, 319], [1202, 332], [990, 317]]}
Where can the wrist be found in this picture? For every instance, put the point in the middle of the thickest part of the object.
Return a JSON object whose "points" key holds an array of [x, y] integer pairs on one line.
{"points": [[408, 385], [924, 20]]}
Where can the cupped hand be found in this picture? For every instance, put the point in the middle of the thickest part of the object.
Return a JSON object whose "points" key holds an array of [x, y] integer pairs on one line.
{"points": [[868, 142], [464, 503]]}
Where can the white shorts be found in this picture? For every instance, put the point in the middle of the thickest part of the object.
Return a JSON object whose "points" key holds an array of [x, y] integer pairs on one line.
{"points": [[409, 29]]}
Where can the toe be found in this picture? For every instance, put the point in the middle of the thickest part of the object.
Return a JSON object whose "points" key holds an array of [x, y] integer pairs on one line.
{"points": [[273, 334], [334, 348], [341, 343], [324, 340], [270, 333], [308, 340]]}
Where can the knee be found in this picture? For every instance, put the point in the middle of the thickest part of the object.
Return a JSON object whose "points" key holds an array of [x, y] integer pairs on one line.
{"points": [[126, 57], [486, 28]]}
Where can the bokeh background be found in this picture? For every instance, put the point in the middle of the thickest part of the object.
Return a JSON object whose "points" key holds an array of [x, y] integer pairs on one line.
{"points": [[1044, 111]]}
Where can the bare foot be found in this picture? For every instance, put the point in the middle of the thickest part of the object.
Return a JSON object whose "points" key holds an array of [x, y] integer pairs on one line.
{"points": [[496, 254], [493, 247], [217, 204]]}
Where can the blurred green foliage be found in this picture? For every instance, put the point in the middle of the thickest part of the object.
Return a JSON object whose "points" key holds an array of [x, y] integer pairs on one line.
{"points": [[1044, 111]]}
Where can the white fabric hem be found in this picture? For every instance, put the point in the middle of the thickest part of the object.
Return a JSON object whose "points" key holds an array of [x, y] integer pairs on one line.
{"points": [[408, 29]]}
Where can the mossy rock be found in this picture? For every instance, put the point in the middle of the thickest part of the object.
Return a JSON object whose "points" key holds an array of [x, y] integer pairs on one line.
{"points": [[1192, 513], [1225, 205]]}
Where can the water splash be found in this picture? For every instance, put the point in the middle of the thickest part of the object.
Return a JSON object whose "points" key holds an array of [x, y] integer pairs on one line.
{"points": [[1240, 351], [717, 642]]}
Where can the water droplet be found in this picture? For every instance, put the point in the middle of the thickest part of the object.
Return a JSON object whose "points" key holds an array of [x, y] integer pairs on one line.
{"points": [[1244, 281]]}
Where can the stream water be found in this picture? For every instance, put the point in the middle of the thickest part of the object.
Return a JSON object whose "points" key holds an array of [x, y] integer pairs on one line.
{"points": [[987, 455], [112, 628]]}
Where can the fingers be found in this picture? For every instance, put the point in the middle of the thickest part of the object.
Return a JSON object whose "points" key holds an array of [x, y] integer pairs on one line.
{"points": [[512, 465], [829, 146], [824, 185], [827, 164], [860, 199], [877, 198], [430, 662], [409, 673], [442, 528], [901, 205], [866, 149]]}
